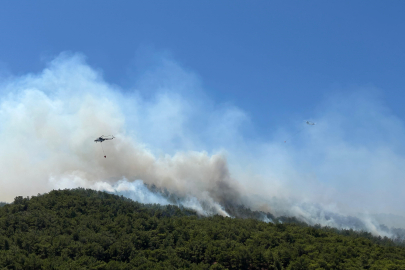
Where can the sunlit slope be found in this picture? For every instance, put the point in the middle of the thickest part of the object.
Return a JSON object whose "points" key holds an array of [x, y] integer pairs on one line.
{"points": [[78, 229]]}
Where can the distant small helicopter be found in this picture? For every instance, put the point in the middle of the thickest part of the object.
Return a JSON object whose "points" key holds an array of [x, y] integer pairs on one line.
{"points": [[310, 123], [103, 138]]}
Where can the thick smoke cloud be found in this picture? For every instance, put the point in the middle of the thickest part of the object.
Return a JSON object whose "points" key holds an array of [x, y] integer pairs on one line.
{"points": [[49, 122], [170, 135]]}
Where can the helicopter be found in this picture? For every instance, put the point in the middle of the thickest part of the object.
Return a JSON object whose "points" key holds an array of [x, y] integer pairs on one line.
{"points": [[103, 138], [310, 123]]}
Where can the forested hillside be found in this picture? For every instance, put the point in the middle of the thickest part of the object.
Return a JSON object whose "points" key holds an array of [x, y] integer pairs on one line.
{"points": [[86, 229]]}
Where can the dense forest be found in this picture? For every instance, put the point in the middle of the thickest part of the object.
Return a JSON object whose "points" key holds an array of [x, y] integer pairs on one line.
{"points": [[86, 229]]}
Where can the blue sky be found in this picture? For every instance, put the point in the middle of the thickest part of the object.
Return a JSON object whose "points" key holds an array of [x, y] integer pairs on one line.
{"points": [[204, 93], [274, 59]]}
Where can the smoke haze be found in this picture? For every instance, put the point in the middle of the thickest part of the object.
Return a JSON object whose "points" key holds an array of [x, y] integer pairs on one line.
{"points": [[169, 134]]}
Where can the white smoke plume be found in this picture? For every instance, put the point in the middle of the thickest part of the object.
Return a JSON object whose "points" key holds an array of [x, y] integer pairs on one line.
{"points": [[49, 122], [170, 135]]}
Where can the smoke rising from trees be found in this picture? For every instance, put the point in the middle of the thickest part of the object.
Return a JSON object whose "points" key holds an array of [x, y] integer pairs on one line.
{"points": [[170, 135]]}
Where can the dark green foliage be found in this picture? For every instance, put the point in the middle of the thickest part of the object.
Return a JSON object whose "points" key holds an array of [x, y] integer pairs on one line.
{"points": [[85, 229], [2, 204]]}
